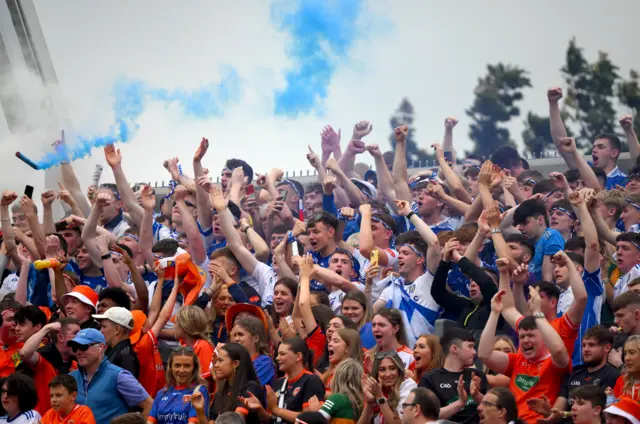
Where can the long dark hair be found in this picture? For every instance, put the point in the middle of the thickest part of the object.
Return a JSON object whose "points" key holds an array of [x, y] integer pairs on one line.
{"points": [[297, 345], [506, 401], [241, 377], [24, 388], [292, 285]]}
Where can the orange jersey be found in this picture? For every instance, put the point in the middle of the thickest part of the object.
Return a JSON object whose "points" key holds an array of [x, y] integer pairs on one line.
{"points": [[43, 373], [633, 392], [568, 331], [151, 368], [79, 415], [204, 350], [9, 359]]}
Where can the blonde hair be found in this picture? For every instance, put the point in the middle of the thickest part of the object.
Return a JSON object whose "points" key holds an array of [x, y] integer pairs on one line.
{"points": [[628, 379], [348, 380], [613, 199], [507, 340], [193, 321], [354, 349]]}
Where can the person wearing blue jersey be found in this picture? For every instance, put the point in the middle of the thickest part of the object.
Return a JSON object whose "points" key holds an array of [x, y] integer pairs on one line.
{"points": [[87, 271], [177, 402], [530, 218], [430, 207], [250, 332], [322, 230]]}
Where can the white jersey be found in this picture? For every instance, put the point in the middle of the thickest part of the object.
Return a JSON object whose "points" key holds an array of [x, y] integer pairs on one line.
{"points": [[414, 301], [335, 300], [266, 279], [28, 417], [624, 280], [379, 284]]}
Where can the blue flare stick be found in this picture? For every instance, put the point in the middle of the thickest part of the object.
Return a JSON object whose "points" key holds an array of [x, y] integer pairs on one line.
{"points": [[28, 161]]}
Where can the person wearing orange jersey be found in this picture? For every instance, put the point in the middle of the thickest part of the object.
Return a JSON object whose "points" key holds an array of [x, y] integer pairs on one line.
{"points": [[64, 410], [538, 368], [10, 345]]}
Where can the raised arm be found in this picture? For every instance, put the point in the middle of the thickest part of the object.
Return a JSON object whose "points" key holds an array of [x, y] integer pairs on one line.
{"points": [[558, 131], [434, 250], [399, 172], [37, 233], [190, 227], [148, 201], [452, 179], [356, 197], [592, 248], [304, 300], [71, 182], [447, 142], [29, 353], [579, 304], [552, 339], [626, 122], [355, 147], [47, 198], [567, 145], [8, 197], [114, 159], [495, 360], [203, 185], [330, 142], [385, 179], [508, 309]]}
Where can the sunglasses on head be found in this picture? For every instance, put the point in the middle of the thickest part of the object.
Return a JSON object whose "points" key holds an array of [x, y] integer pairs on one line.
{"points": [[387, 354], [182, 349], [82, 348]]}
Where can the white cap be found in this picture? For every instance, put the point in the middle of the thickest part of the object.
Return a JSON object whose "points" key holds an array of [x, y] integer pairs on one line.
{"points": [[119, 315]]}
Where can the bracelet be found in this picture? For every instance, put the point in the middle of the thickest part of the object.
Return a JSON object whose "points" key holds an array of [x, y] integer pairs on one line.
{"points": [[290, 238], [105, 257], [410, 214], [496, 230], [247, 228]]}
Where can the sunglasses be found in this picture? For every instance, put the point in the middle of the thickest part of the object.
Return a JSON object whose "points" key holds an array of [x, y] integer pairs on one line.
{"points": [[82, 348], [186, 202], [6, 392], [387, 354], [182, 349], [406, 404]]}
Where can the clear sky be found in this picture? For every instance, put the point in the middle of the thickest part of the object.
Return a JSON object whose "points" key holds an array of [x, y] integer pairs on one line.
{"points": [[429, 51]]}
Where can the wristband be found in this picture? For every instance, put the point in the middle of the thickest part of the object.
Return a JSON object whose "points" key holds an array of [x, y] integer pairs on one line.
{"points": [[496, 230], [538, 315], [409, 215], [105, 257], [290, 238]]}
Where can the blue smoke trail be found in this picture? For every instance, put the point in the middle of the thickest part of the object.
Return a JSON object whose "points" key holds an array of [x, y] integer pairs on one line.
{"points": [[322, 34], [131, 97]]}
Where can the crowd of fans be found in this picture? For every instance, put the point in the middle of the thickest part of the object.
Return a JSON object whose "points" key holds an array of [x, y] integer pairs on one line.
{"points": [[478, 292]]}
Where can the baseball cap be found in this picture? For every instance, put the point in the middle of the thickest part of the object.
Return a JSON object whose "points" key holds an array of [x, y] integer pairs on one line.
{"points": [[84, 294], [119, 315], [86, 337], [139, 319], [367, 188]]}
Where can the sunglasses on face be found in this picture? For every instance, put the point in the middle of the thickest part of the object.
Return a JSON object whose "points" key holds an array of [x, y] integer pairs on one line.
{"points": [[186, 202], [82, 348]]}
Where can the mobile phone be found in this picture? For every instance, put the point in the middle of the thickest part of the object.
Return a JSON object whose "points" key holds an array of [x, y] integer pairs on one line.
{"points": [[289, 320], [28, 191], [448, 156], [283, 195], [295, 250], [250, 190]]}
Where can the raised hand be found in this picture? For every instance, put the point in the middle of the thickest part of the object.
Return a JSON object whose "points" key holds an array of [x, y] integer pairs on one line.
{"points": [[147, 198], [237, 177], [125, 256], [91, 194], [371, 273], [496, 302], [299, 228], [218, 200], [332, 165], [217, 271], [8, 197], [576, 198], [307, 267], [484, 177], [272, 399], [197, 400], [103, 199], [288, 331], [450, 122], [534, 300], [568, 145], [559, 180], [48, 197], [435, 190], [180, 193], [201, 150], [252, 403], [520, 275], [554, 94], [74, 221], [474, 386], [356, 146], [503, 265], [374, 150], [450, 249], [329, 184], [403, 207], [330, 139], [52, 247], [365, 208], [348, 212], [313, 158], [483, 224], [462, 393], [361, 129], [172, 166], [26, 204], [439, 151], [205, 183], [560, 259], [65, 195], [401, 133], [626, 122], [113, 156]]}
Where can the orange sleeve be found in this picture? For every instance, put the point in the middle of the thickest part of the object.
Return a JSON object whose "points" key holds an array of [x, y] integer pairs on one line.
{"points": [[617, 390], [204, 352], [47, 418], [151, 420]]}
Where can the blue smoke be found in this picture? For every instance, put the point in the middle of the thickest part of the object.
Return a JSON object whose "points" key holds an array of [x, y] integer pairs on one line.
{"points": [[131, 97], [322, 34]]}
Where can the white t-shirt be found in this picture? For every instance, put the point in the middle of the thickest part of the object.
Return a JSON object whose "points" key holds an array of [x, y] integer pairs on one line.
{"points": [[266, 278], [335, 300], [405, 390], [28, 417], [379, 283], [623, 281], [9, 285]]}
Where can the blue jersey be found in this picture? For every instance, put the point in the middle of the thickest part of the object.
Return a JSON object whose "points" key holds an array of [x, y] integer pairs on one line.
{"points": [[591, 316], [323, 261], [173, 406], [96, 283], [616, 178], [549, 243]]}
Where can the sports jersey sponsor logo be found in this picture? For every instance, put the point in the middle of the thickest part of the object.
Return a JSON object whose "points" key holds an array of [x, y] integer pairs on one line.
{"points": [[253, 299], [526, 382], [186, 398], [575, 383], [296, 391], [445, 386]]}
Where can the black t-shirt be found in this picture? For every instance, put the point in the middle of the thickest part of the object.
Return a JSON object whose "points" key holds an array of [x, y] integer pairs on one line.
{"points": [[445, 385], [251, 417], [299, 390]]}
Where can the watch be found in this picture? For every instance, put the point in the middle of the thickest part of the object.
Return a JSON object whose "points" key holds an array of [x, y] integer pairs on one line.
{"points": [[538, 315], [381, 401], [496, 230]]}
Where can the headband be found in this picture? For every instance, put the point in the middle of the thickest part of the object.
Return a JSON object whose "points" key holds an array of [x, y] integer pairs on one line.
{"points": [[568, 212], [412, 248], [378, 220], [133, 236], [635, 205]]}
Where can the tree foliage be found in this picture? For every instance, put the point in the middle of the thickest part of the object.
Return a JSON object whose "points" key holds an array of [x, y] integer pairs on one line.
{"points": [[404, 115], [495, 103], [629, 95]]}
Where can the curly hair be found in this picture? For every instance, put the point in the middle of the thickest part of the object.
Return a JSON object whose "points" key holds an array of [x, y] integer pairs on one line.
{"points": [[348, 380]]}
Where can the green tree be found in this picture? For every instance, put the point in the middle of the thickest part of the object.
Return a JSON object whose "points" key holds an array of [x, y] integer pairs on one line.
{"points": [[536, 135], [629, 95], [404, 116], [496, 95], [590, 94]]}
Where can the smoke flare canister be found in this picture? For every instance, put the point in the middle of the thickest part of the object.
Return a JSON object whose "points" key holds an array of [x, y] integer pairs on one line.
{"points": [[97, 174], [28, 161]]}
